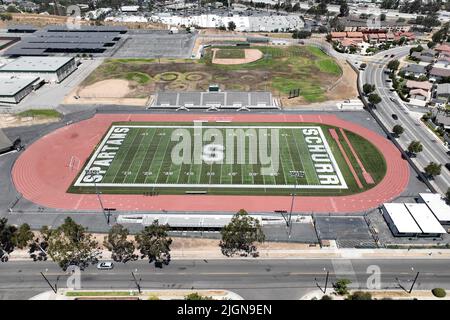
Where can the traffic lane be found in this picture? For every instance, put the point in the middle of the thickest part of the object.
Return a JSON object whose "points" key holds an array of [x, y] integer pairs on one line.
{"points": [[413, 132], [234, 266]]}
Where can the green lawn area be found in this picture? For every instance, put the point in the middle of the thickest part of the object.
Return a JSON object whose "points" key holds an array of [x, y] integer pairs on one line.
{"points": [[230, 54], [139, 77], [280, 70], [42, 113]]}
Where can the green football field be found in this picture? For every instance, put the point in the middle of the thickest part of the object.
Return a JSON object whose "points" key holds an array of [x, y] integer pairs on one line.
{"points": [[227, 158]]}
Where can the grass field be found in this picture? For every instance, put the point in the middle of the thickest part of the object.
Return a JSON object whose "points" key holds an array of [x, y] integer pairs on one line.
{"points": [[280, 70], [230, 54], [40, 113], [143, 160]]}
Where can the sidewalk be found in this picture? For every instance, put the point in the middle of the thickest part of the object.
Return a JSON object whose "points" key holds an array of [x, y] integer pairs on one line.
{"points": [[174, 294], [325, 253]]}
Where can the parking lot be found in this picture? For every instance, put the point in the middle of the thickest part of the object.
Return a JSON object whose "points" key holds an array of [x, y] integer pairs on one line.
{"points": [[156, 44]]}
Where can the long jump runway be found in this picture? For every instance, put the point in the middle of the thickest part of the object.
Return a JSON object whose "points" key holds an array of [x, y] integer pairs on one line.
{"points": [[47, 168]]}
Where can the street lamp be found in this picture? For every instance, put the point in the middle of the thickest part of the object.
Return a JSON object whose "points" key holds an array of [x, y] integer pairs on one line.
{"points": [[295, 174], [326, 281], [107, 215]]}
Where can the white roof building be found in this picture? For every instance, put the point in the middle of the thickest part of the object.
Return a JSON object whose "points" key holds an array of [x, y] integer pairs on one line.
{"points": [[400, 220], [129, 8], [425, 218], [437, 205]]}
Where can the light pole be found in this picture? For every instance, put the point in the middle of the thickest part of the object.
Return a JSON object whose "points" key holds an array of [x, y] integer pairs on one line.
{"points": [[326, 281], [414, 281], [295, 174], [137, 283], [107, 215]]}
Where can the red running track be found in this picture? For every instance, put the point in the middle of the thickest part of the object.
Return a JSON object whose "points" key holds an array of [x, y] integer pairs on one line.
{"points": [[42, 172]]}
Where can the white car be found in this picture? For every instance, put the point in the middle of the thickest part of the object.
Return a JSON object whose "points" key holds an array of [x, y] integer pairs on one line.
{"points": [[105, 266]]}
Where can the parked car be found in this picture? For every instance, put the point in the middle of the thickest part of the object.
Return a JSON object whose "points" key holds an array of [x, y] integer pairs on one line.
{"points": [[105, 266], [447, 165], [394, 116], [392, 55]]}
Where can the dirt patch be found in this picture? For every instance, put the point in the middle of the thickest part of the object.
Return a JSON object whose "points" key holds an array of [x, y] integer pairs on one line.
{"points": [[113, 91], [250, 56], [345, 87], [10, 120], [114, 88]]}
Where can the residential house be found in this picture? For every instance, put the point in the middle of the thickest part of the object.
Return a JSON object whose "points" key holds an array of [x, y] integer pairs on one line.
{"points": [[414, 70], [423, 85], [443, 48], [419, 97], [422, 58], [420, 92], [437, 74], [442, 91], [338, 36], [401, 34], [443, 120]]}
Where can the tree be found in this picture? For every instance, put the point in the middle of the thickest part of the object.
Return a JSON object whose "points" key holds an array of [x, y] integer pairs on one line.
{"points": [[374, 99], [340, 286], [336, 24], [231, 26], [153, 243], [368, 88], [71, 245], [433, 169], [7, 241], [239, 236], [122, 250], [12, 9], [398, 130], [23, 236], [38, 247], [301, 34], [343, 9], [393, 65], [6, 16], [415, 147]]}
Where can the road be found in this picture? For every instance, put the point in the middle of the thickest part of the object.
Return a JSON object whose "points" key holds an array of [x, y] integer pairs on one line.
{"points": [[433, 150], [252, 279]]}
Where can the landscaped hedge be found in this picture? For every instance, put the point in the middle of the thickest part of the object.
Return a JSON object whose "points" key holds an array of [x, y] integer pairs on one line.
{"points": [[439, 292]]}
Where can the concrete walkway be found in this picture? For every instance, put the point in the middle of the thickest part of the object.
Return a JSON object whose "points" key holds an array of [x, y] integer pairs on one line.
{"points": [[325, 253]]}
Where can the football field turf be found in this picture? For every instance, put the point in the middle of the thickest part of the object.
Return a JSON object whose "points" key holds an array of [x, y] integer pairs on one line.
{"points": [[228, 158]]}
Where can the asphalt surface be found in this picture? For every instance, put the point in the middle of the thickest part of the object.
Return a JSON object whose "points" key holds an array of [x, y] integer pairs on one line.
{"points": [[433, 150], [252, 279]]}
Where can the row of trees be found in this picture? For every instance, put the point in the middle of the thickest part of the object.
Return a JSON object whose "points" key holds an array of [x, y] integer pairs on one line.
{"points": [[71, 244], [432, 169]]}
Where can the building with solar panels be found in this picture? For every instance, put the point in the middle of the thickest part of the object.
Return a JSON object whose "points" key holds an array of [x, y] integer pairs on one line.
{"points": [[49, 69], [58, 40]]}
